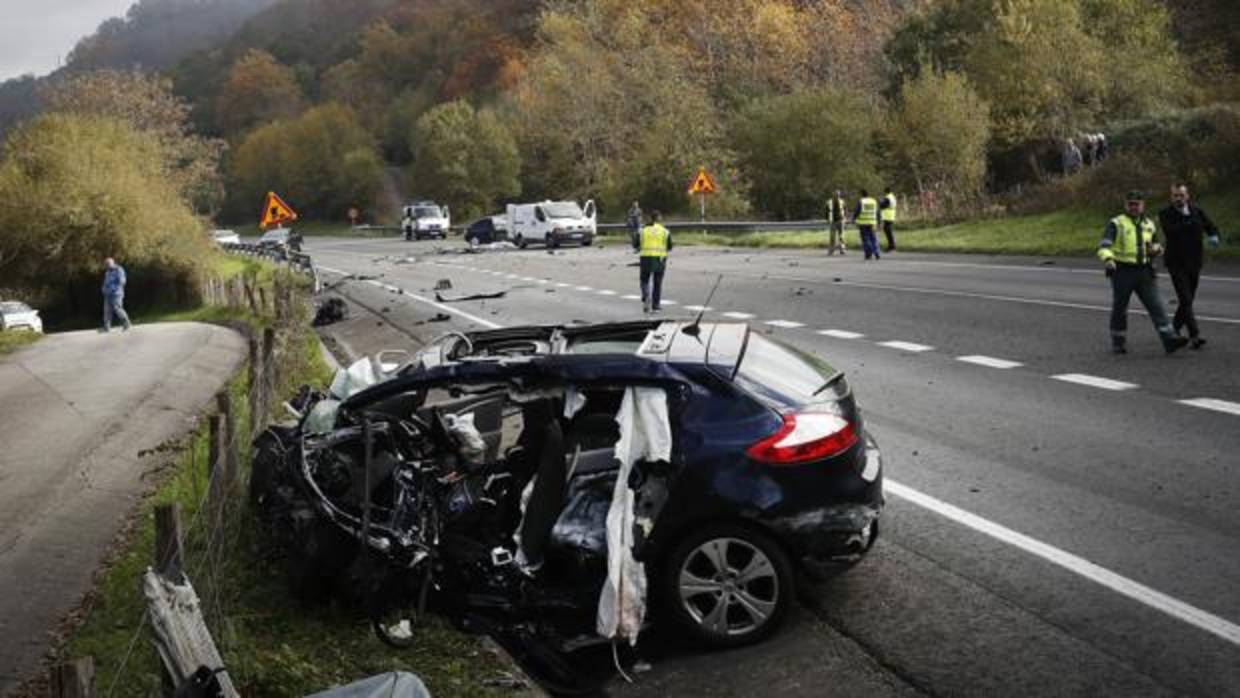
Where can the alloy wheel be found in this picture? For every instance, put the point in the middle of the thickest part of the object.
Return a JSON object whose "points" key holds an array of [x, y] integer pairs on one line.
{"points": [[729, 587]]}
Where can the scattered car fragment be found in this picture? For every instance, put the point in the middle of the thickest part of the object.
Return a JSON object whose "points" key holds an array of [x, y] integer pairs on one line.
{"points": [[545, 485], [470, 297]]}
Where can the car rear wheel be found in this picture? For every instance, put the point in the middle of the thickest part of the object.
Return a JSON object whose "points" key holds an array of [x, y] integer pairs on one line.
{"points": [[727, 585]]}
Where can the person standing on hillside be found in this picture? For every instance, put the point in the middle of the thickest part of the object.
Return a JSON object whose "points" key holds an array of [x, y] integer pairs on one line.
{"points": [[114, 294], [887, 209], [866, 216], [1128, 249], [835, 224], [634, 222], [653, 245], [1183, 226]]}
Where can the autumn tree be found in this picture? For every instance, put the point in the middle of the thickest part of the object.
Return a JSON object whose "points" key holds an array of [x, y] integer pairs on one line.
{"points": [[936, 136], [323, 162], [465, 157], [798, 148], [147, 104], [258, 90]]}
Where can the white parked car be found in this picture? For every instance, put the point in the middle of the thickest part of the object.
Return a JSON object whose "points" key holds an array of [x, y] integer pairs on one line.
{"points": [[225, 237], [552, 223], [425, 219], [15, 315]]}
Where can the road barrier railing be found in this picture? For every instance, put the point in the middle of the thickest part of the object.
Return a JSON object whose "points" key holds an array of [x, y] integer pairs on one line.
{"points": [[296, 261]]}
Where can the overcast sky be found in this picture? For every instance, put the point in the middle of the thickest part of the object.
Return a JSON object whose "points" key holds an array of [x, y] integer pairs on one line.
{"points": [[35, 34]]}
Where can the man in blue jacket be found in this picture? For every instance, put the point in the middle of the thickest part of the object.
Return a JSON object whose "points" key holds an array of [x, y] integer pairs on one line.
{"points": [[114, 294]]}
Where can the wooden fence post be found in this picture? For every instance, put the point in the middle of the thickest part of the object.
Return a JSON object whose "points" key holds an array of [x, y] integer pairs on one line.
{"points": [[73, 680], [256, 378], [267, 375], [228, 438], [169, 560]]}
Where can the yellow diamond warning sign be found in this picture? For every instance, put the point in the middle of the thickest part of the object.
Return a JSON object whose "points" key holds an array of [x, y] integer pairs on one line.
{"points": [[276, 212], [703, 183]]}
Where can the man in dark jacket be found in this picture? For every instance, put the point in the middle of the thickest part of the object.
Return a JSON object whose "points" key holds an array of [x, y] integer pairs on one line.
{"points": [[1183, 226]]}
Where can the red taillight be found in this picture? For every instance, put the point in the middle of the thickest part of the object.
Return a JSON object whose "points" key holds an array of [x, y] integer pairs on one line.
{"points": [[805, 437]]}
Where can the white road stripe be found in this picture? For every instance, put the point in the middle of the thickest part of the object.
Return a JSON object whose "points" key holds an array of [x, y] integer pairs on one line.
{"points": [[1208, 403], [416, 297], [631, 297], [606, 292], [841, 334], [585, 288], [989, 361], [906, 346], [1120, 584], [786, 324], [665, 301], [561, 284], [1134, 590], [738, 316], [1095, 381], [697, 308]]}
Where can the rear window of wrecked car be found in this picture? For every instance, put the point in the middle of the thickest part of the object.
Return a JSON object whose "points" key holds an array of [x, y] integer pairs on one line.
{"points": [[779, 375]]}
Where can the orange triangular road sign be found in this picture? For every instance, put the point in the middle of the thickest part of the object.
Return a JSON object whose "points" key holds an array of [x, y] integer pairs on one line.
{"points": [[275, 211], [702, 183]]}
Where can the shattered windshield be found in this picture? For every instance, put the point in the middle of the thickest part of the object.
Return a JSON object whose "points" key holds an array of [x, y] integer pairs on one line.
{"points": [[563, 209]]}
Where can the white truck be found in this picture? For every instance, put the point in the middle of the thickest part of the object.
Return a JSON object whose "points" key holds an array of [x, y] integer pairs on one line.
{"points": [[552, 223], [425, 219]]}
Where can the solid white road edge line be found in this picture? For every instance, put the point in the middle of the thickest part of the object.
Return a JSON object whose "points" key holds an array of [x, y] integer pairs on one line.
{"points": [[906, 346], [989, 361], [841, 334], [738, 315], [1209, 403], [1095, 381], [1115, 582], [1120, 584], [786, 324]]}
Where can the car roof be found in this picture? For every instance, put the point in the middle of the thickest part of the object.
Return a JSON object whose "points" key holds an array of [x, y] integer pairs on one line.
{"points": [[14, 306]]}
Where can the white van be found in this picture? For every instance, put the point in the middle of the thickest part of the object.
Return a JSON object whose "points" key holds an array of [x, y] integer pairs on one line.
{"points": [[425, 219], [552, 223]]}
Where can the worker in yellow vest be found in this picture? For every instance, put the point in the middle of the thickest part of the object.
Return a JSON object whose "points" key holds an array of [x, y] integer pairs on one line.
{"points": [[887, 210], [1128, 249], [653, 245], [866, 216]]}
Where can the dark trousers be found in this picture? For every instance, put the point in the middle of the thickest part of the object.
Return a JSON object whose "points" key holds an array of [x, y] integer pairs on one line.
{"points": [[869, 242], [114, 307], [652, 269], [889, 231], [1185, 280], [1139, 279]]}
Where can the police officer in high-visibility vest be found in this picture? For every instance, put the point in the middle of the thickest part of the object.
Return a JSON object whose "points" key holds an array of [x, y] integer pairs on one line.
{"points": [[866, 216], [1128, 249], [887, 210], [653, 245], [835, 224]]}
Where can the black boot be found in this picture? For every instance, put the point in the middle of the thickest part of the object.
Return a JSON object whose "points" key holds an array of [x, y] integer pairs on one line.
{"points": [[1174, 343]]}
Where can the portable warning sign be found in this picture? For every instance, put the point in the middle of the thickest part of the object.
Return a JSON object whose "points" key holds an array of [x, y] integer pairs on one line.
{"points": [[276, 212], [703, 183]]}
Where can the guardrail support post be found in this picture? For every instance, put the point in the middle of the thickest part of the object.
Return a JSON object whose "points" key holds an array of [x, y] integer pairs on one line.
{"points": [[73, 680]]}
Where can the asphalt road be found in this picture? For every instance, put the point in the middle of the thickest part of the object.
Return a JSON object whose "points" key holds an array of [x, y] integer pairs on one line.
{"points": [[1060, 521]]}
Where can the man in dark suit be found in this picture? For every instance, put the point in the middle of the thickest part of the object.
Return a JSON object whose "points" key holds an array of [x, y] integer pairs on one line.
{"points": [[1183, 226]]}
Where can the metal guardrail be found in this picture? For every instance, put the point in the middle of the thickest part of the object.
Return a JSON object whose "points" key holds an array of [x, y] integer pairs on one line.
{"points": [[733, 227], [296, 261]]}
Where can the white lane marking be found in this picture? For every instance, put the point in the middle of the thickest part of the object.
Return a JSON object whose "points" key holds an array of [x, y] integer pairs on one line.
{"points": [[542, 281], [561, 284], [511, 276], [585, 288], [989, 361], [665, 301], [528, 278], [631, 297], [605, 292], [1095, 381], [1124, 586], [906, 346], [1120, 584], [841, 334], [1209, 403], [982, 296], [697, 308], [786, 324], [738, 316], [1021, 267]]}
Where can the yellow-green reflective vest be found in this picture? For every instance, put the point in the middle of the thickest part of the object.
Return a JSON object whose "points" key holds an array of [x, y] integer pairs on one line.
{"points": [[889, 213], [869, 212], [654, 241], [1131, 244]]}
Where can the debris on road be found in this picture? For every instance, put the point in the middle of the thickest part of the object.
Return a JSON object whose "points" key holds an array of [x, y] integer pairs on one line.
{"points": [[470, 297], [443, 285], [330, 311]]}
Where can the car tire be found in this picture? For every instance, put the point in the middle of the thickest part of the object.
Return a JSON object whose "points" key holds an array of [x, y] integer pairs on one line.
{"points": [[472, 242], [705, 595]]}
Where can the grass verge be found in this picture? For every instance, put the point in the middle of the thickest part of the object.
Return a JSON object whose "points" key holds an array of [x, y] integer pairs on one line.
{"points": [[271, 645], [12, 340]]}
